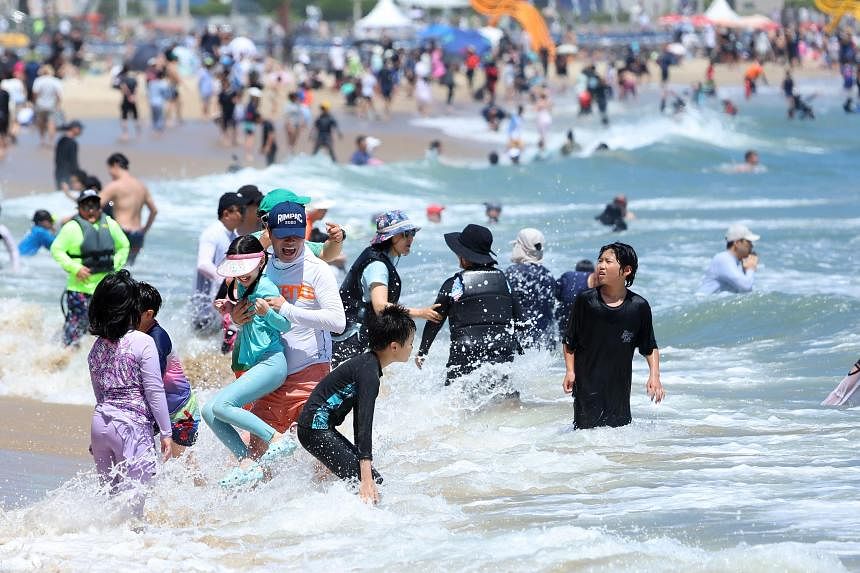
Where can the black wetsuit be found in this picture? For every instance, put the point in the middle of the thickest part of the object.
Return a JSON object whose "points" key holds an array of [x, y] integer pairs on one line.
{"points": [[613, 216], [65, 160], [482, 313], [352, 296], [325, 125], [269, 129], [534, 287], [603, 339], [352, 387]]}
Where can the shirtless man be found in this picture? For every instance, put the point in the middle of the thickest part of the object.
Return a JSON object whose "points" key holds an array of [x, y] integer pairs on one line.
{"points": [[129, 195]]}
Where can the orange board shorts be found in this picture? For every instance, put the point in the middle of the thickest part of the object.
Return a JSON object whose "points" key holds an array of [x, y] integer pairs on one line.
{"points": [[281, 408]]}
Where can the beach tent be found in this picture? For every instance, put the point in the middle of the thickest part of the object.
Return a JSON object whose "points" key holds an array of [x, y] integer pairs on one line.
{"points": [[385, 18], [454, 40], [721, 14]]}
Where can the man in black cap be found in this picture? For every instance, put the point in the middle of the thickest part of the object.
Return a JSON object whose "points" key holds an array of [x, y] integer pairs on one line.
{"points": [[66, 154], [211, 250], [88, 247], [478, 302], [250, 223]]}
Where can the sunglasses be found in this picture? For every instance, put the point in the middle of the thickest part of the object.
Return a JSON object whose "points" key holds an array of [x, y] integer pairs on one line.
{"points": [[90, 206], [410, 233]]}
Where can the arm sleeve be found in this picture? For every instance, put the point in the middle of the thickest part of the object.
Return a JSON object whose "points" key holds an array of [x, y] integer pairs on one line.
{"points": [[431, 329], [574, 324], [375, 272], [61, 246], [733, 274], [330, 316], [46, 239], [277, 321], [205, 254], [153, 386], [163, 345], [647, 343], [362, 420], [316, 248], [120, 243]]}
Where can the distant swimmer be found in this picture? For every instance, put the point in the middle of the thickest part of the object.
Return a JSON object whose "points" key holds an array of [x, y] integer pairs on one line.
{"points": [[733, 270], [434, 212], [493, 158], [616, 215], [849, 107], [729, 108], [493, 115], [570, 145], [607, 324], [800, 107], [844, 393], [601, 147], [751, 163], [493, 211], [41, 234]]}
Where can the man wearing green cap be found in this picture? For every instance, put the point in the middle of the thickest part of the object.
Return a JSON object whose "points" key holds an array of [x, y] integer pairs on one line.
{"points": [[328, 251]]}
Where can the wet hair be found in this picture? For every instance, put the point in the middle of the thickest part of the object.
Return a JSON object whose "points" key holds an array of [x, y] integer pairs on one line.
{"points": [[384, 246], [93, 183], [494, 158], [150, 298], [393, 324], [80, 175], [585, 266], [118, 159], [245, 245], [626, 258], [115, 306], [360, 139], [749, 154]]}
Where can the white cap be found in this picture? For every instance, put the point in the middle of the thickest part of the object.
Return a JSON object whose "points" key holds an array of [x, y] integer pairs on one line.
{"points": [[255, 92], [738, 232], [372, 142]]}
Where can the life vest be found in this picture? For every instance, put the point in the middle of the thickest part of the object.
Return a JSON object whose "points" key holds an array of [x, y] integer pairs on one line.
{"points": [[351, 294], [482, 317], [97, 248]]}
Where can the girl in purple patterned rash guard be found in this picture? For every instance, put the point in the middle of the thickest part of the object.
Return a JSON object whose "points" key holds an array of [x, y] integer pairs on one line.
{"points": [[129, 391]]}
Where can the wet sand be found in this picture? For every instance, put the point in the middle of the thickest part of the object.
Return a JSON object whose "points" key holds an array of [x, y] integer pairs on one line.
{"points": [[42, 446]]}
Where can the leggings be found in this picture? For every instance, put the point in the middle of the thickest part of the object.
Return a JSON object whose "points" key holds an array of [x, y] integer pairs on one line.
{"points": [[224, 410], [335, 452], [77, 317]]}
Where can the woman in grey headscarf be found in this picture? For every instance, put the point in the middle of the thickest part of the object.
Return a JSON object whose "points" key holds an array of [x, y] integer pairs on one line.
{"points": [[533, 284]]}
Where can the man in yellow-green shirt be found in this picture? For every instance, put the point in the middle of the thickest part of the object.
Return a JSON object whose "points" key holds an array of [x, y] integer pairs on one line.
{"points": [[88, 247]]}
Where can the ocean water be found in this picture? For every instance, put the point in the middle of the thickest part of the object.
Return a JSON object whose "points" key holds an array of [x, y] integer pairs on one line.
{"points": [[739, 469]]}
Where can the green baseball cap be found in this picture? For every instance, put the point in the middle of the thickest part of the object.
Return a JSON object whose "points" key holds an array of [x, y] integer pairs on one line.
{"points": [[276, 196]]}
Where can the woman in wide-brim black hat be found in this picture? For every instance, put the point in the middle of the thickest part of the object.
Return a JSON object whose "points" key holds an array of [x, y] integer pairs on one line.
{"points": [[478, 304]]}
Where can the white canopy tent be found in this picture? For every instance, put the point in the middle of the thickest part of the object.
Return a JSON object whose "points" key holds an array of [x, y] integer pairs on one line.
{"points": [[385, 18], [720, 12]]}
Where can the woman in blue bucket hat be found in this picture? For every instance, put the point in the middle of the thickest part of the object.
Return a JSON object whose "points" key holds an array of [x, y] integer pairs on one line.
{"points": [[373, 283]]}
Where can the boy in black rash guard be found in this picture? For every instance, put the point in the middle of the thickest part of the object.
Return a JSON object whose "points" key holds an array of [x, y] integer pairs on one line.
{"points": [[354, 385], [606, 324]]}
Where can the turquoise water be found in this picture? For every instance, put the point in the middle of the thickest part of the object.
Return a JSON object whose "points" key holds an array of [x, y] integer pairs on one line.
{"points": [[739, 469]]}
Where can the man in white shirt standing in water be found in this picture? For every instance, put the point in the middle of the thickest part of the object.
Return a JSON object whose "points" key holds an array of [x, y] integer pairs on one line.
{"points": [[310, 299], [733, 270]]}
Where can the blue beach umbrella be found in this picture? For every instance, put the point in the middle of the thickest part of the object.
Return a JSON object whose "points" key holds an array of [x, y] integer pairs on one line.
{"points": [[454, 40]]}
